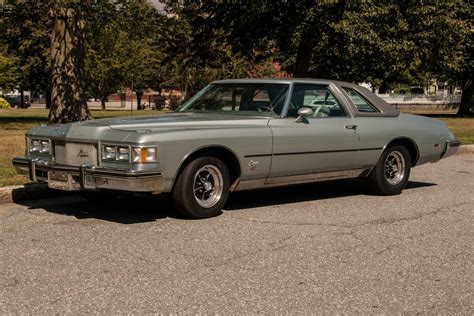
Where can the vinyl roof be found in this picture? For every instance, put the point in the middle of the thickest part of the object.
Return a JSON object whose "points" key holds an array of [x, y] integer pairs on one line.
{"points": [[277, 80]]}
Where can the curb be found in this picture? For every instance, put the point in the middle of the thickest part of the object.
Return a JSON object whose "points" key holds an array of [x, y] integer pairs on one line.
{"points": [[466, 149], [17, 193]]}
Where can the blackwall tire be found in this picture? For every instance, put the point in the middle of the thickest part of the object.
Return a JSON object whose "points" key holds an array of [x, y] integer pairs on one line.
{"points": [[390, 175], [202, 188]]}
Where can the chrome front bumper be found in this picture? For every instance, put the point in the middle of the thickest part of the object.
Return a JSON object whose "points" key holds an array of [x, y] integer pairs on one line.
{"points": [[450, 148], [88, 177]]}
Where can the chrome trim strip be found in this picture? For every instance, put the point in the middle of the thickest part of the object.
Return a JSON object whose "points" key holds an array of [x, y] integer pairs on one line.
{"points": [[324, 151], [284, 110], [298, 179], [257, 155], [313, 152]]}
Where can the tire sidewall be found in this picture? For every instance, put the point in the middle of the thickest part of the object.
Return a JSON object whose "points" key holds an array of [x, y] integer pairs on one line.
{"points": [[379, 175], [186, 202]]}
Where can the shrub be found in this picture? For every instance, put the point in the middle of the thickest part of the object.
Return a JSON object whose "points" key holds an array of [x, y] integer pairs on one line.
{"points": [[4, 104]]}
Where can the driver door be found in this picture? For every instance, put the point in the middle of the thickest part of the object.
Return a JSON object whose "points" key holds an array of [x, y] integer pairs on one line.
{"points": [[325, 142]]}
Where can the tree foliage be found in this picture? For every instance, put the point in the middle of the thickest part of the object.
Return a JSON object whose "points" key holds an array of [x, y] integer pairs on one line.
{"points": [[125, 44], [8, 71], [25, 28], [382, 42]]}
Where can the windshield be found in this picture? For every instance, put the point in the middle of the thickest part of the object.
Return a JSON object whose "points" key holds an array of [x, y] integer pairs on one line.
{"points": [[239, 98]]}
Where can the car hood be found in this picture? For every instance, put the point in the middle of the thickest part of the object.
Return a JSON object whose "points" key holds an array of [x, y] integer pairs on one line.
{"points": [[134, 128], [173, 121]]}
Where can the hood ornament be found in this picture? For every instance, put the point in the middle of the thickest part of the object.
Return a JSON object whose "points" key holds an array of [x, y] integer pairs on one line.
{"points": [[82, 153]]}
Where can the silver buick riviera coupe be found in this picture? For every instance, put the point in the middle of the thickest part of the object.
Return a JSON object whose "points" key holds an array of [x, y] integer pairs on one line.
{"points": [[240, 135]]}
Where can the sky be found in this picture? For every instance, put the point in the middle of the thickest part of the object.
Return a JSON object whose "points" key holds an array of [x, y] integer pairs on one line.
{"points": [[160, 6]]}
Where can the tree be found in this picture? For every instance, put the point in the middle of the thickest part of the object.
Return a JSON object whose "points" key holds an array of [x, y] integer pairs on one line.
{"points": [[142, 51], [384, 43], [25, 30], [8, 71], [104, 41], [205, 48], [67, 53], [452, 54]]}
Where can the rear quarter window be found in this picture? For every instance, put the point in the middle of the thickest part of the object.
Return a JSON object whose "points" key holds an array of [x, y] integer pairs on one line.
{"points": [[360, 102]]}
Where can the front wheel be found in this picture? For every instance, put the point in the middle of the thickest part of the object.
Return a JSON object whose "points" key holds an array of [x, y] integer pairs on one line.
{"points": [[202, 188], [390, 175]]}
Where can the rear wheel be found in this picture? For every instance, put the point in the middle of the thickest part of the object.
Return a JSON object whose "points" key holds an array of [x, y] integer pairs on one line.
{"points": [[390, 175], [202, 188]]}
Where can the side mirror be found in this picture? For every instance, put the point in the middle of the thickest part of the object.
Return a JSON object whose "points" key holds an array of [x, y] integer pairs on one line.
{"points": [[304, 112]]}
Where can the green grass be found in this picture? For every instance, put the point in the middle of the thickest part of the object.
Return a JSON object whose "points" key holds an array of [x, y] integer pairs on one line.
{"points": [[463, 128], [14, 123]]}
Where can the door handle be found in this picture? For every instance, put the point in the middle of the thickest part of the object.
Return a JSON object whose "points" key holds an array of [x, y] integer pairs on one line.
{"points": [[351, 127]]}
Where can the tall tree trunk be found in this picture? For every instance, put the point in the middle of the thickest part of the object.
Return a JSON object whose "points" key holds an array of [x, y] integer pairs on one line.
{"points": [[466, 106], [383, 87], [68, 99], [22, 98], [139, 99], [303, 55], [102, 102], [47, 97], [308, 39]]}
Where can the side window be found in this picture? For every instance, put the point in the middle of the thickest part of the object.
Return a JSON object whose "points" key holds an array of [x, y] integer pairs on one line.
{"points": [[360, 102], [318, 98]]}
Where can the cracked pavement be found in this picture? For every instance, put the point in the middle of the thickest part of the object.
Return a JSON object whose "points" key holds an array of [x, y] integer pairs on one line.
{"points": [[326, 247]]}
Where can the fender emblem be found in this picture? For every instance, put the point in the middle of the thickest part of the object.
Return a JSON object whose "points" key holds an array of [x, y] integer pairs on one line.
{"points": [[253, 165]]}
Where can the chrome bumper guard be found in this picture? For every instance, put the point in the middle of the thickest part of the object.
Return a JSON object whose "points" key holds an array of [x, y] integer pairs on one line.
{"points": [[450, 148], [88, 176]]}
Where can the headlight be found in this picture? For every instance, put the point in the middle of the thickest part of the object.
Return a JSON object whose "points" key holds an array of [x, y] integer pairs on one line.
{"points": [[42, 146], [115, 153], [144, 154], [35, 145], [45, 146], [122, 154], [109, 152]]}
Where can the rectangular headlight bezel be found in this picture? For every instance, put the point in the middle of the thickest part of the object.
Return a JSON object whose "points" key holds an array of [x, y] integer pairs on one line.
{"points": [[39, 145], [114, 153], [135, 154]]}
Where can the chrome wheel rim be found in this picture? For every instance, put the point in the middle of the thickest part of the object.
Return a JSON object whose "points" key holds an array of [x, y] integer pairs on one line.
{"points": [[208, 186], [394, 168]]}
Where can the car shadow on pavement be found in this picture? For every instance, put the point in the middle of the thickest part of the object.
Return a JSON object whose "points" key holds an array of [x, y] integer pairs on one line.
{"points": [[120, 209], [304, 193], [125, 209]]}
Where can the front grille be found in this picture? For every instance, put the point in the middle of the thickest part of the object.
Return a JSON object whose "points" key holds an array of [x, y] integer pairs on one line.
{"points": [[75, 154]]}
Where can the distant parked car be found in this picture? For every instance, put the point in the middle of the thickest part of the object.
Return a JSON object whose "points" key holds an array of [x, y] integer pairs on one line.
{"points": [[240, 135], [15, 101]]}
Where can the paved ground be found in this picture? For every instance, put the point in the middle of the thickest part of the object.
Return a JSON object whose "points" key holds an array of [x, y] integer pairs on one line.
{"points": [[315, 248]]}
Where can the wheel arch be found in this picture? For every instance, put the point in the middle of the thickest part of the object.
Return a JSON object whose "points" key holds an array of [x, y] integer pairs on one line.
{"points": [[409, 144], [227, 155]]}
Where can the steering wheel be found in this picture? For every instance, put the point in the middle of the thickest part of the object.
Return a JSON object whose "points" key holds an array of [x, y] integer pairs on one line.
{"points": [[316, 110]]}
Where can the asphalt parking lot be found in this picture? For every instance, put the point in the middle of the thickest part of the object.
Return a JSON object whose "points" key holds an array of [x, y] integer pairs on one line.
{"points": [[326, 247]]}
